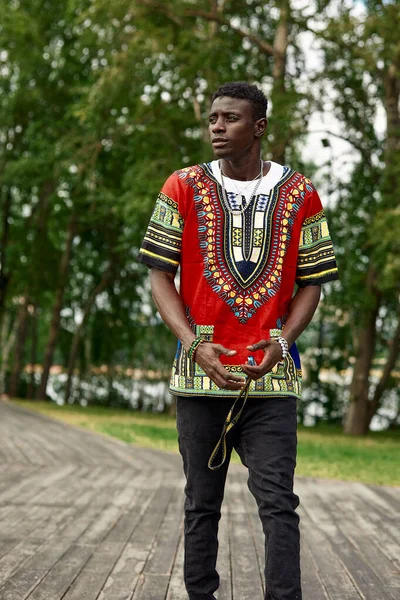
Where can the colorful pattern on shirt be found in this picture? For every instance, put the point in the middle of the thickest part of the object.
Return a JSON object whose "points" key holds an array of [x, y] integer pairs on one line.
{"points": [[316, 260], [189, 379], [245, 276], [163, 238], [239, 267]]}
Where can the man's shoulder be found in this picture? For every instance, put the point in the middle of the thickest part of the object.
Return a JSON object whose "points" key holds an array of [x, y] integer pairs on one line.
{"points": [[189, 176], [190, 171], [296, 175]]}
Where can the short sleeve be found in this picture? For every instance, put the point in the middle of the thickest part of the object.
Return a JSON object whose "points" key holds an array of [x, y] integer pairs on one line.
{"points": [[161, 247], [316, 263]]}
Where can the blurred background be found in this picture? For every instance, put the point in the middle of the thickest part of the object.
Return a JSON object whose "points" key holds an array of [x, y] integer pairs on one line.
{"points": [[101, 101]]}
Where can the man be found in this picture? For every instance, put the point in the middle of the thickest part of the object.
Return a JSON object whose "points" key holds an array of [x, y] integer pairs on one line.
{"points": [[244, 231]]}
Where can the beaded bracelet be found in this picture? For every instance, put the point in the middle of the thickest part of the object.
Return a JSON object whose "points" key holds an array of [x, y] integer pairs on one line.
{"points": [[284, 346], [195, 344]]}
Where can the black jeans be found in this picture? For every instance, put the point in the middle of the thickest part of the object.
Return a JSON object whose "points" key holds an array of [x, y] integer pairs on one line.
{"points": [[265, 439]]}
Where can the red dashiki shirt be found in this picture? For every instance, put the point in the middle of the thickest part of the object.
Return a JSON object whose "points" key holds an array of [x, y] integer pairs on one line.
{"points": [[239, 264]]}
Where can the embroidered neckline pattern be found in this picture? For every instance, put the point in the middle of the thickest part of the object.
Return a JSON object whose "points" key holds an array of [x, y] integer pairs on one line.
{"points": [[243, 284]]}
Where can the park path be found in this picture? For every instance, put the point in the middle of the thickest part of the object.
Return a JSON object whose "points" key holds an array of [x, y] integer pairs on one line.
{"points": [[87, 517]]}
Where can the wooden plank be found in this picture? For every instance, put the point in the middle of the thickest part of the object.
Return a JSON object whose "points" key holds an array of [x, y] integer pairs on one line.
{"points": [[331, 570], [94, 522], [20, 551], [17, 555], [28, 488], [246, 581], [151, 587], [109, 559], [312, 587], [147, 535], [26, 578], [14, 474], [130, 563], [391, 495], [61, 491], [255, 527], [16, 514], [368, 521], [55, 584], [34, 517], [163, 552], [224, 557], [176, 587], [123, 578], [379, 562], [13, 453], [367, 583], [377, 500]]}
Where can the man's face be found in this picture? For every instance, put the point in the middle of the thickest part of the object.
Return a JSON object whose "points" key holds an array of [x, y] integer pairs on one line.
{"points": [[233, 130]]}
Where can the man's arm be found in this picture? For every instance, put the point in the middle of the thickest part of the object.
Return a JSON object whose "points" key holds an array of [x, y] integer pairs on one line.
{"points": [[171, 309], [301, 311]]}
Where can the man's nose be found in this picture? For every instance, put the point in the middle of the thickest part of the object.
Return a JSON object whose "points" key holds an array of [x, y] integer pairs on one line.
{"points": [[219, 125]]}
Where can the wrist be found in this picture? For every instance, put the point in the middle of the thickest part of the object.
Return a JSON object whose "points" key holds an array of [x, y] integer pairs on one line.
{"points": [[284, 346], [188, 340], [193, 348]]}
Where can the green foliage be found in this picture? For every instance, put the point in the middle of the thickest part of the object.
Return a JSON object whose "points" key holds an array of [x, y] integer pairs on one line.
{"points": [[100, 102]]}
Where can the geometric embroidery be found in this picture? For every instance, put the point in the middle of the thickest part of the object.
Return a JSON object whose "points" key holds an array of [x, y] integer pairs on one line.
{"points": [[237, 236], [245, 277], [163, 238], [257, 241], [188, 378], [316, 259]]}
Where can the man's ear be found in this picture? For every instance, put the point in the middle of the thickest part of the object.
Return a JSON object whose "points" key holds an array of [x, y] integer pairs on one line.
{"points": [[260, 127]]}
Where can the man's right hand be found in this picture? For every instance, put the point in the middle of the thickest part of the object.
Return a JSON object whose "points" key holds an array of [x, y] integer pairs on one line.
{"points": [[207, 356]]}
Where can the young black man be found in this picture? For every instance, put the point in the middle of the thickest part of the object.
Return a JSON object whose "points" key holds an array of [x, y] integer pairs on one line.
{"points": [[245, 233]]}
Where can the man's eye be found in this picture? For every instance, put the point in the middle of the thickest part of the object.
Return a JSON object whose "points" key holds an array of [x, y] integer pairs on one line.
{"points": [[232, 118]]}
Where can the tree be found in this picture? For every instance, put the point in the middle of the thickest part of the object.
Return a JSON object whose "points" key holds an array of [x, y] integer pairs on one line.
{"points": [[362, 61]]}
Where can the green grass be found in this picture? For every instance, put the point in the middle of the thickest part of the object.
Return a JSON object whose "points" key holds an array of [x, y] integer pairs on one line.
{"points": [[323, 451]]}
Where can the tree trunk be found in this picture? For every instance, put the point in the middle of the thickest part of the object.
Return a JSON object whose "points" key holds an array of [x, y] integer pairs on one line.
{"points": [[78, 331], [356, 421], [56, 313], [4, 278], [362, 410], [394, 352], [6, 347], [110, 384], [30, 393], [280, 125], [392, 144], [19, 347]]}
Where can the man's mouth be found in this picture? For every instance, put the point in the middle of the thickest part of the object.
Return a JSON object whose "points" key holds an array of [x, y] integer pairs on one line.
{"points": [[219, 142]]}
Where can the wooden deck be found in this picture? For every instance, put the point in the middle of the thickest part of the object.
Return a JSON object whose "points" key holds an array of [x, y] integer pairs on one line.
{"points": [[85, 517]]}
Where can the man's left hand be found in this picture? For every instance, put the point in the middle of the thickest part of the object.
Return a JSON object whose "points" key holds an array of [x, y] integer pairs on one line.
{"points": [[272, 355]]}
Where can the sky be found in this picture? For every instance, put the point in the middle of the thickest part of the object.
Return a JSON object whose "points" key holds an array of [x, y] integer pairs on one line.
{"points": [[340, 153]]}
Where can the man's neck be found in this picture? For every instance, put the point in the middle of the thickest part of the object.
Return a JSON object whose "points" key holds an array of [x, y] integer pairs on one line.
{"points": [[244, 169]]}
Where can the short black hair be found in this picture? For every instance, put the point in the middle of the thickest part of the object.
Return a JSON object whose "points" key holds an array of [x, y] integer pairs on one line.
{"points": [[245, 91]]}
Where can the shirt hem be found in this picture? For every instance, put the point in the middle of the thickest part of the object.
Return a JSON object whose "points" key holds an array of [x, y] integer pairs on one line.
{"points": [[233, 394]]}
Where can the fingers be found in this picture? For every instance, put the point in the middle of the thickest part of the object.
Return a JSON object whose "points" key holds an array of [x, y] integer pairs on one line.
{"points": [[258, 346], [225, 380], [226, 351], [207, 357], [257, 371]]}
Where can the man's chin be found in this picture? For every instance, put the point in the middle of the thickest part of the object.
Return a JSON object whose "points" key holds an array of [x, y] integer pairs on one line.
{"points": [[222, 153]]}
